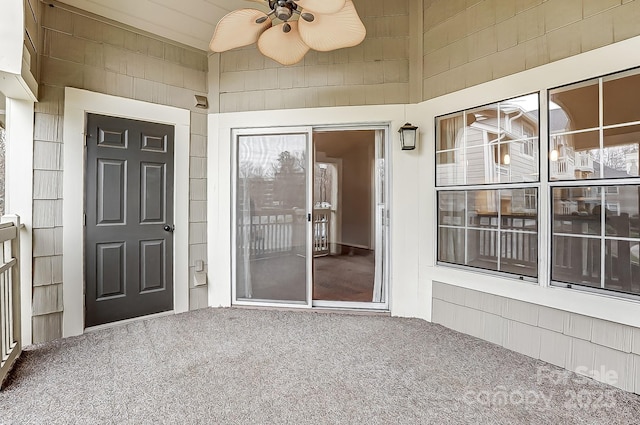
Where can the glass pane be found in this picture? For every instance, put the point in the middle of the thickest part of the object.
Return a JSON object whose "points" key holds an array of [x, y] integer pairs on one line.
{"points": [[577, 210], [519, 161], [451, 208], [575, 156], [271, 218], [480, 166], [520, 116], [574, 108], [482, 249], [450, 132], [622, 266], [620, 156], [623, 210], [519, 253], [483, 208], [481, 120], [451, 245], [576, 260], [620, 99], [519, 209], [450, 168]]}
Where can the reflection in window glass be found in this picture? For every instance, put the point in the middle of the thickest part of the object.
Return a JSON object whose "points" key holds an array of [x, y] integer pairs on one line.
{"points": [[620, 98], [621, 151], [578, 232], [271, 217], [574, 107], [500, 232], [450, 132], [451, 208], [571, 202], [496, 143], [583, 147]]}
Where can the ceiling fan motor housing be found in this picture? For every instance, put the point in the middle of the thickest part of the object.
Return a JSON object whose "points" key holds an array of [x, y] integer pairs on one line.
{"points": [[283, 13], [283, 9]]}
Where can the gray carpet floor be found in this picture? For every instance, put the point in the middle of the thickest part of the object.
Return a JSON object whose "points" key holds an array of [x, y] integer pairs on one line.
{"points": [[232, 366]]}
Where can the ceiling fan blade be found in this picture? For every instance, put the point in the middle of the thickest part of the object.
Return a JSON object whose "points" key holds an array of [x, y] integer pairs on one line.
{"points": [[237, 29], [335, 31], [284, 47], [321, 6]]}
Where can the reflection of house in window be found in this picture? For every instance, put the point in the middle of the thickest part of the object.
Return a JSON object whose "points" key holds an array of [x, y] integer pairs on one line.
{"points": [[530, 199], [496, 143], [580, 137]]}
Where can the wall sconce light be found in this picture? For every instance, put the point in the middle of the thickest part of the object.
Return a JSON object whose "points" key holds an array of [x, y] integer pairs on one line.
{"points": [[408, 136], [553, 156]]}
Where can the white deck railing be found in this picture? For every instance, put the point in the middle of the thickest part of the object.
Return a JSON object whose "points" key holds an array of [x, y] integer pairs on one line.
{"points": [[321, 230], [10, 346], [274, 232]]}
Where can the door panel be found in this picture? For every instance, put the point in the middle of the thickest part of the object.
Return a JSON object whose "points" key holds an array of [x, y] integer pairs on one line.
{"points": [[129, 200], [111, 187], [110, 270], [272, 262], [349, 218], [152, 259], [152, 193]]}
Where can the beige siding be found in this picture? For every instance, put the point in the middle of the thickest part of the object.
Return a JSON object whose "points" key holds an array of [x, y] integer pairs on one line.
{"points": [[374, 72], [471, 42], [32, 14], [561, 338], [90, 53]]}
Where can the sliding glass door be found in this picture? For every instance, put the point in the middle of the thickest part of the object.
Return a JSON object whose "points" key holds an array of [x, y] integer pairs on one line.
{"points": [[310, 216], [272, 216]]}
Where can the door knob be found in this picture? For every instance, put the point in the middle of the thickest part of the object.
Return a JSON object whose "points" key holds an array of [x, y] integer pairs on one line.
{"points": [[169, 228]]}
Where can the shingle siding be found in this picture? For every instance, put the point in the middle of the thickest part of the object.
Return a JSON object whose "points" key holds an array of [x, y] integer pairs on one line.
{"points": [[473, 42], [88, 52]]}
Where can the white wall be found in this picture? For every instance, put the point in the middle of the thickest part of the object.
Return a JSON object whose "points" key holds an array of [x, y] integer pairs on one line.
{"points": [[19, 195], [406, 297], [413, 212], [16, 80], [11, 36]]}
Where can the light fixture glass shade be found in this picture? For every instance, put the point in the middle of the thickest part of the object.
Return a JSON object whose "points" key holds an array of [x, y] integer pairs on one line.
{"points": [[321, 6], [333, 31], [408, 136], [286, 48], [237, 29]]}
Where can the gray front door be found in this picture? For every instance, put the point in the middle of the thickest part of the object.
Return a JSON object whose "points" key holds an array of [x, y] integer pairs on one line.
{"points": [[129, 219]]}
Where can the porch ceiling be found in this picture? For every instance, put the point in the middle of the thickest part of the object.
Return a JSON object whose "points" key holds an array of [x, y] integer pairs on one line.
{"points": [[189, 22]]}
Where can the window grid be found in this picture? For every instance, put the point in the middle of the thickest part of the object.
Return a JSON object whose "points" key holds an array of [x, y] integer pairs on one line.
{"points": [[606, 185], [603, 186], [507, 132]]}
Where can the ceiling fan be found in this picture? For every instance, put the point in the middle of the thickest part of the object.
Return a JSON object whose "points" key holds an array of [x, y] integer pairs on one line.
{"points": [[291, 28]]}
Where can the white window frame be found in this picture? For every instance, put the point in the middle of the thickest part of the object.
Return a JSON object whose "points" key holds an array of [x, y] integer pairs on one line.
{"points": [[536, 185], [601, 181]]}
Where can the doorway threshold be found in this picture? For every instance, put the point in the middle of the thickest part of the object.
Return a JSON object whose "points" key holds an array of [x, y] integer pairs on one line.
{"points": [[320, 310], [128, 321]]}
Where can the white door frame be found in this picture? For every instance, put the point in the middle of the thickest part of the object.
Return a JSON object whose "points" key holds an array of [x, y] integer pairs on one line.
{"points": [[381, 226], [77, 104]]}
